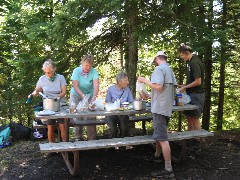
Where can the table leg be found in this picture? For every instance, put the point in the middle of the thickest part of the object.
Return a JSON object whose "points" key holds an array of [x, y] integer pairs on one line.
{"points": [[66, 122], [59, 134], [73, 169], [179, 121], [144, 127]]}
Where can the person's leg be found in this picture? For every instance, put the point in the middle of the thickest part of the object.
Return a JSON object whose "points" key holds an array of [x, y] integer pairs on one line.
{"points": [[190, 123], [91, 131], [196, 123], [112, 124], [51, 137], [77, 130], [62, 130], [193, 117], [158, 151], [160, 135], [123, 125], [51, 130], [158, 145], [166, 150]]}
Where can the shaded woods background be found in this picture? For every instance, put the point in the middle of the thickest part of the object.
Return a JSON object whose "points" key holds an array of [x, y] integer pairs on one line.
{"points": [[122, 35]]}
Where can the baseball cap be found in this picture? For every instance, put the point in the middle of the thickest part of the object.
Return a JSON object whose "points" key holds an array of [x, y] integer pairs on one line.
{"points": [[160, 53]]}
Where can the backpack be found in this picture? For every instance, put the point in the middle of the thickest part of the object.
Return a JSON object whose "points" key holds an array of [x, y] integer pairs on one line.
{"points": [[5, 132], [20, 132]]}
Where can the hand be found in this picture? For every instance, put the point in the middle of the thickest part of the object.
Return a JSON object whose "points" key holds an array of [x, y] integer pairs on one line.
{"points": [[144, 95], [182, 89], [141, 79], [82, 96], [56, 98], [93, 99]]}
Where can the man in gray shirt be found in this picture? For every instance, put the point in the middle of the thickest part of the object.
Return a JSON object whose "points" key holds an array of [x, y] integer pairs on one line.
{"points": [[162, 84]]}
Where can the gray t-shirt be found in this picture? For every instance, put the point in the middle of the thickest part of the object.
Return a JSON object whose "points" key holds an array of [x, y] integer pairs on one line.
{"points": [[52, 89], [162, 101], [124, 94]]}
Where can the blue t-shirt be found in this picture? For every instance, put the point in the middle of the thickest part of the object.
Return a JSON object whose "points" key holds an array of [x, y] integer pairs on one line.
{"points": [[124, 94], [85, 82]]}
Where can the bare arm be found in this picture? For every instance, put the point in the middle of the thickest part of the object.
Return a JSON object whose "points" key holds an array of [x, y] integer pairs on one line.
{"points": [[76, 88], [196, 82], [35, 92], [155, 86], [63, 92], [95, 89]]}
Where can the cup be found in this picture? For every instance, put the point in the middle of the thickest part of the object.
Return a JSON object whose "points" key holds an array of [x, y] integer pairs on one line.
{"points": [[72, 109]]}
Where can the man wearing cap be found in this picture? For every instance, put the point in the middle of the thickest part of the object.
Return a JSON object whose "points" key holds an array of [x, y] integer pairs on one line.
{"points": [[162, 85], [194, 86]]}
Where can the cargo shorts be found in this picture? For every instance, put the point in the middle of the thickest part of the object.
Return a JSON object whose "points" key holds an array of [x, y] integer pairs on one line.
{"points": [[198, 100], [160, 126]]}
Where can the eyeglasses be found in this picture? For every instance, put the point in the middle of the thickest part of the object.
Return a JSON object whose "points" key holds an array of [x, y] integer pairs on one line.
{"points": [[49, 72]]}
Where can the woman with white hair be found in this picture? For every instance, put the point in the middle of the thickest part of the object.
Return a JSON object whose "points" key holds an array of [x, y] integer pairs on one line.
{"points": [[52, 85], [122, 92]]}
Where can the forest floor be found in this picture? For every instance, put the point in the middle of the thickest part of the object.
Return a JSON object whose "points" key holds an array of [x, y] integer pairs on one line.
{"points": [[218, 158]]}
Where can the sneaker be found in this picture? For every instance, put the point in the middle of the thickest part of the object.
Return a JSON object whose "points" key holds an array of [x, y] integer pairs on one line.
{"points": [[162, 174], [129, 147], [153, 159]]}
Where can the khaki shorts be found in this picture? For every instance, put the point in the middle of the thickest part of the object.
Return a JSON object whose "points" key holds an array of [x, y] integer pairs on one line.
{"points": [[160, 125]]}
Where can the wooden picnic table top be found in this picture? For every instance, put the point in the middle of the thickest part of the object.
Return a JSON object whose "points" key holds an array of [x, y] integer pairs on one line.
{"points": [[64, 112]]}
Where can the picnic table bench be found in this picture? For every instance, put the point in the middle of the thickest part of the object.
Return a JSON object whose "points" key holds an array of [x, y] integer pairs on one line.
{"points": [[75, 147]]}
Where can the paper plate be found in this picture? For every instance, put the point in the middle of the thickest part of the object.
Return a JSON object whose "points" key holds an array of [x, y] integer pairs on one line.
{"points": [[46, 113]]}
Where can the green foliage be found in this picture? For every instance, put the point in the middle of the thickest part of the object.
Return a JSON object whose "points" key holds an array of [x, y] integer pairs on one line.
{"points": [[32, 31]]}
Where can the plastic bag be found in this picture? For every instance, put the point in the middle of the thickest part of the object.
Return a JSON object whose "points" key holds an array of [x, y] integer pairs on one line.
{"points": [[99, 104], [83, 104], [141, 89], [185, 98], [113, 106]]}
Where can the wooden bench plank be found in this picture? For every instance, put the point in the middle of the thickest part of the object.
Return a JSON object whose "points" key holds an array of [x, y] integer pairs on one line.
{"points": [[107, 143], [140, 118], [74, 147]]}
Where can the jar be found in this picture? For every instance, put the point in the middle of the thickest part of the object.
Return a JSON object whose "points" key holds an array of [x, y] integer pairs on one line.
{"points": [[179, 100]]}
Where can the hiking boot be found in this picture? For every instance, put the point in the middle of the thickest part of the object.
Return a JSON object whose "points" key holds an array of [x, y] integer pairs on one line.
{"points": [[162, 174], [153, 158]]}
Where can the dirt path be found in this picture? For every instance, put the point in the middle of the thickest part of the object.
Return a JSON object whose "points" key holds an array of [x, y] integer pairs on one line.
{"points": [[219, 158]]}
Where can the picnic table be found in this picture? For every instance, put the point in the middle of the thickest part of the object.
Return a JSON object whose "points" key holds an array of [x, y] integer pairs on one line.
{"points": [[64, 114], [74, 147]]}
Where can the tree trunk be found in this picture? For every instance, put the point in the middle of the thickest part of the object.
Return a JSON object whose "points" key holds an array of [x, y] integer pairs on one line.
{"points": [[133, 45], [208, 72], [222, 70]]}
